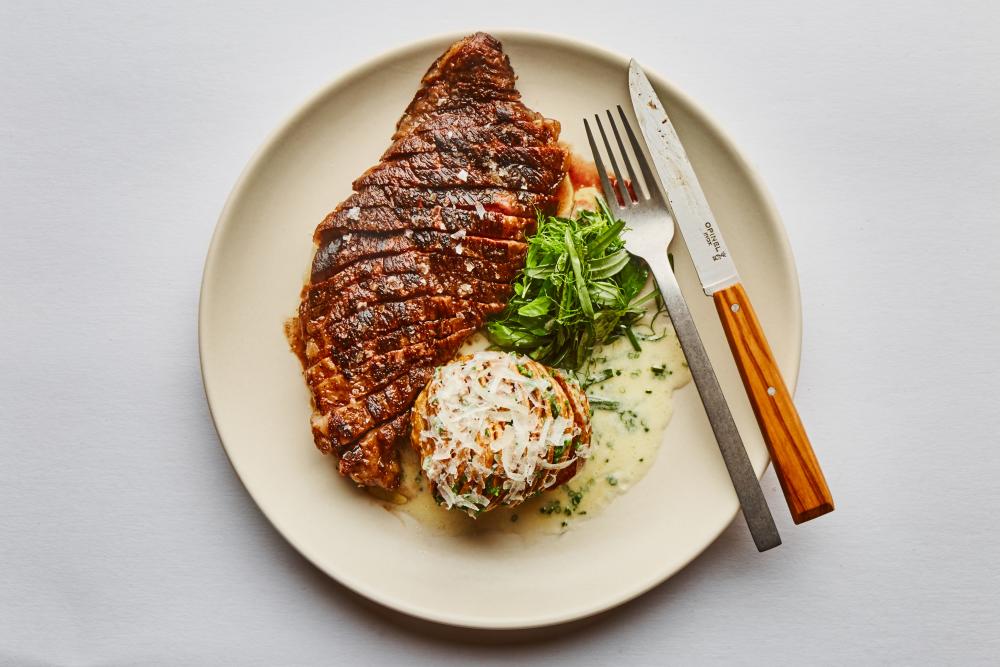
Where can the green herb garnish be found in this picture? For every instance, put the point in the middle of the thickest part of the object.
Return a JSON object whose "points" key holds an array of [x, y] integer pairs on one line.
{"points": [[597, 378], [553, 507], [598, 403], [580, 288]]}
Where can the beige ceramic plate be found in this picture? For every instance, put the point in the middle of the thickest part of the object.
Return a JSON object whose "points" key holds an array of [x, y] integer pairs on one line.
{"points": [[255, 268]]}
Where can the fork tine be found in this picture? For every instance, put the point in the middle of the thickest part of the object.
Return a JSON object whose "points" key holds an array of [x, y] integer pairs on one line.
{"points": [[619, 181], [652, 189], [609, 194], [628, 163]]}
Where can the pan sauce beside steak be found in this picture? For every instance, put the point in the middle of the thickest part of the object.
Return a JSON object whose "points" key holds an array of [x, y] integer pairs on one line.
{"points": [[422, 252]]}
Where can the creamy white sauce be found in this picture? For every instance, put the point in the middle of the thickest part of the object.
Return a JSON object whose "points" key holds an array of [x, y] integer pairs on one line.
{"points": [[625, 441]]}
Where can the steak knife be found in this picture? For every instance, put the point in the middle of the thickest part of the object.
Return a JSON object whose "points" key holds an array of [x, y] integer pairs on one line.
{"points": [[795, 463]]}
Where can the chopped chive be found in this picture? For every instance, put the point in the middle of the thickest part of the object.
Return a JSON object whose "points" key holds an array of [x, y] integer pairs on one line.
{"points": [[632, 339]]}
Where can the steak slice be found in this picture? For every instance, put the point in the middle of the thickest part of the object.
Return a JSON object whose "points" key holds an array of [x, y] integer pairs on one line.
{"points": [[451, 140], [349, 421], [336, 304], [394, 219], [484, 115], [486, 157], [509, 202], [338, 385], [413, 171], [474, 69], [363, 351], [342, 251], [425, 249], [392, 315], [412, 261], [373, 460]]}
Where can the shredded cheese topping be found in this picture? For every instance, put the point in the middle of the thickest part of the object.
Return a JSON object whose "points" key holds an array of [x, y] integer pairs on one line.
{"points": [[496, 429]]}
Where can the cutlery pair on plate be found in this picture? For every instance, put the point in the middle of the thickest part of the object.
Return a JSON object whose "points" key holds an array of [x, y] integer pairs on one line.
{"points": [[650, 216]]}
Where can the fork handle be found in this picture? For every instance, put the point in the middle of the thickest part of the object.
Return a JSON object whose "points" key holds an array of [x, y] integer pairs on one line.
{"points": [[795, 462], [755, 510]]}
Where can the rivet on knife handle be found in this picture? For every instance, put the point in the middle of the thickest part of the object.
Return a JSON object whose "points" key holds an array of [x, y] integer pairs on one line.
{"points": [[794, 461]]}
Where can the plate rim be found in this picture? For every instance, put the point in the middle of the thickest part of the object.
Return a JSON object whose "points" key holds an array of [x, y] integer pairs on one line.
{"points": [[225, 220]]}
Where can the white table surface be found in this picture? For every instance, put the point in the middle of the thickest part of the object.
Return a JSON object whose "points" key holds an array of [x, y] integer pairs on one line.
{"points": [[125, 537]]}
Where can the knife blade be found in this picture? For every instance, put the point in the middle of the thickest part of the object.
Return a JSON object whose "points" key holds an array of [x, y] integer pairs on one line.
{"points": [[795, 463]]}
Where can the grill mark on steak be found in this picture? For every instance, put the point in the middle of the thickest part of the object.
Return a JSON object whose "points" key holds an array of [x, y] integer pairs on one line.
{"points": [[393, 219], [542, 159], [340, 252], [474, 69], [336, 385], [422, 252], [506, 134], [482, 115], [513, 202], [409, 172], [332, 305], [387, 317], [363, 351], [373, 460], [414, 261], [350, 421]]}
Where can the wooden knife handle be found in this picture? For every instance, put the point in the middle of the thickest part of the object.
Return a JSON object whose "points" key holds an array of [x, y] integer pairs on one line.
{"points": [[794, 461]]}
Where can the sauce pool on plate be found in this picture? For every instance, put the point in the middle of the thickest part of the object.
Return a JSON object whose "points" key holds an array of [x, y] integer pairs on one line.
{"points": [[631, 393]]}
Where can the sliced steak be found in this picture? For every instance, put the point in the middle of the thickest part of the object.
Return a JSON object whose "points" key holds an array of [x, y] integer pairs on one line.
{"points": [[466, 139], [422, 252], [474, 69], [392, 315], [546, 160], [453, 221], [340, 252], [509, 202], [412, 171], [412, 261], [336, 304], [349, 421], [373, 460], [338, 385], [363, 351], [483, 115]]}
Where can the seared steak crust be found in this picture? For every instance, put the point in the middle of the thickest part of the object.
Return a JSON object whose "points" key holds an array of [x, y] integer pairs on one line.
{"points": [[515, 202], [398, 219], [422, 252]]}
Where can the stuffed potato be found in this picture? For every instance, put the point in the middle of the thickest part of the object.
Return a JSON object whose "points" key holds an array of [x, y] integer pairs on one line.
{"points": [[493, 429]]}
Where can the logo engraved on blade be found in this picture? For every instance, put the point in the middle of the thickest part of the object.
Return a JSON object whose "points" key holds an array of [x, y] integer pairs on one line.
{"points": [[711, 238]]}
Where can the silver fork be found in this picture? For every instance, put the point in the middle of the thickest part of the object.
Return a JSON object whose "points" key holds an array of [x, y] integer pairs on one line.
{"points": [[650, 229]]}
